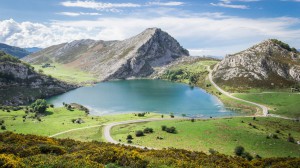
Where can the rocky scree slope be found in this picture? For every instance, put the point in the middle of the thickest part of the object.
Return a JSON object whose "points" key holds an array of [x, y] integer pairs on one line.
{"points": [[271, 63], [20, 84], [135, 57]]}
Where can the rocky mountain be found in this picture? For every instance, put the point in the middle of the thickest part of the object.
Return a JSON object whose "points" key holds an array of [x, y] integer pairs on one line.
{"points": [[14, 51], [20, 84], [131, 58], [271, 63]]}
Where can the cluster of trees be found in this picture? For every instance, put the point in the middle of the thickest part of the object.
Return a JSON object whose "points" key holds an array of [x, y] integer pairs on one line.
{"points": [[19, 150], [181, 74], [169, 129], [39, 106]]}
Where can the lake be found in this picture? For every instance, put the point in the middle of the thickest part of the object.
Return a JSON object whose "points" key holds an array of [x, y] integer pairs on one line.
{"points": [[160, 96]]}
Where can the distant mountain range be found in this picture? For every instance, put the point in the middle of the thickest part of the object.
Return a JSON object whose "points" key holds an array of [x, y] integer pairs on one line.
{"points": [[134, 57], [17, 51], [33, 49], [271, 63]]}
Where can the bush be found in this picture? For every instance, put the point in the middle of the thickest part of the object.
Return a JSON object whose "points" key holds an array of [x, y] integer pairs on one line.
{"points": [[192, 120], [290, 139], [39, 106], [247, 156], [163, 128], [139, 133], [141, 114], [239, 150], [129, 137], [148, 130], [212, 151], [3, 127], [171, 130]]}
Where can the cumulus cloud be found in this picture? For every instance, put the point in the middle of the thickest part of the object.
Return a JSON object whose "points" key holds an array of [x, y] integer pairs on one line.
{"points": [[203, 34]]}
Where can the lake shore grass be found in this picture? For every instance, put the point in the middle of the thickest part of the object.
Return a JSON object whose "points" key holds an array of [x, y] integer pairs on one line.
{"points": [[264, 136]]}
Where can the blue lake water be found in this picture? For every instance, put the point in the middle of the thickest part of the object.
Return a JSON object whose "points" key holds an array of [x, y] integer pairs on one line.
{"points": [[127, 96]]}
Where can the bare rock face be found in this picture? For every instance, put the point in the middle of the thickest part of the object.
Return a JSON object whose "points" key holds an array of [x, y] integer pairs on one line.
{"points": [[131, 58], [270, 62], [20, 84]]}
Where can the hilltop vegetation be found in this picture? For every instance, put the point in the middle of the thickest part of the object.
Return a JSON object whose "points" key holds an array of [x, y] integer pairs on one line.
{"points": [[33, 151]]}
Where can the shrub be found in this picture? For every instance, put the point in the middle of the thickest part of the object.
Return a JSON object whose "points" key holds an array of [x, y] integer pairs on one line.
{"points": [[247, 156], [192, 120], [148, 130], [39, 106], [3, 127], [212, 151], [129, 137], [129, 141], [163, 128], [53, 149], [139, 133], [239, 150], [141, 114], [171, 130], [290, 139]]}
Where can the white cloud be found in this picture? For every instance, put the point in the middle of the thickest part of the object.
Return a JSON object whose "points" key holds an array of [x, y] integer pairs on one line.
{"points": [[170, 3], [227, 5], [213, 35], [98, 5], [78, 14]]}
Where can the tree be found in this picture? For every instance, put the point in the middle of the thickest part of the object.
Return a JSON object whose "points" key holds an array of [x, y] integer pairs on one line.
{"points": [[148, 130], [129, 137], [139, 133], [163, 127], [39, 106], [239, 150]]}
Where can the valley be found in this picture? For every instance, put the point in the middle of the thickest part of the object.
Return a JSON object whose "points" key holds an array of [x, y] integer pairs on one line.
{"points": [[148, 82]]}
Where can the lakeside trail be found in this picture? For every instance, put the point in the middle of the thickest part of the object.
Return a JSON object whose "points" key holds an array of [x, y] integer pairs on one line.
{"points": [[107, 127], [264, 108]]}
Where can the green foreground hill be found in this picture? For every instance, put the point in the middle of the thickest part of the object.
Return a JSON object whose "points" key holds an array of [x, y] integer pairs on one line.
{"points": [[19, 150]]}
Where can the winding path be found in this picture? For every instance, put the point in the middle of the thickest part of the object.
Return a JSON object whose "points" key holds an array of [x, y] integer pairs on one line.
{"points": [[75, 129], [108, 127], [264, 108]]}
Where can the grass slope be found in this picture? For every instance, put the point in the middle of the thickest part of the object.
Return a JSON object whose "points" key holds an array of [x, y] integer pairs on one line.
{"points": [[67, 74], [286, 104], [35, 151], [60, 119], [222, 135]]}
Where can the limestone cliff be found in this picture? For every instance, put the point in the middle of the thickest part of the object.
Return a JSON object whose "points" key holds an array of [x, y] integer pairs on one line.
{"points": [[20, 84], [270, 63], [131, 58]]}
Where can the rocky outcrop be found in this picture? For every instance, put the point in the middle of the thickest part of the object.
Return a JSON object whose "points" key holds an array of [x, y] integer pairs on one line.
{"points": [[270, 62], [20, 84], [131, 58]]}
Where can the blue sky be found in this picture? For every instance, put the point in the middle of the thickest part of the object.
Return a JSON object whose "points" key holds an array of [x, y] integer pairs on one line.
{"points": [[205, 27]]}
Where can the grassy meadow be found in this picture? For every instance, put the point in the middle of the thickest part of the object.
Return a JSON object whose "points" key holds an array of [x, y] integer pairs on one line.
{"points": [[285, 104], [66, 74], [266, 137], [60, 119]]}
